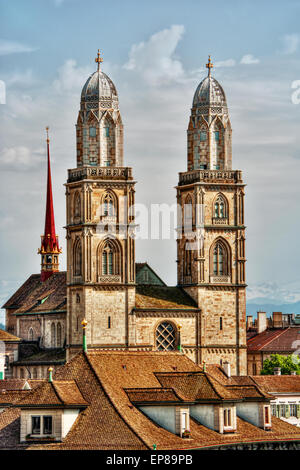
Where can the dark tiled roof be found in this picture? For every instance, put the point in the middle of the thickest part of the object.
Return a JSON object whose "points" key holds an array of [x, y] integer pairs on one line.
{"points": [[12, 396], [279, 340], [152, 395], [45, 356], [35, 296], [163, 298], [13, 384], [7, 337]]}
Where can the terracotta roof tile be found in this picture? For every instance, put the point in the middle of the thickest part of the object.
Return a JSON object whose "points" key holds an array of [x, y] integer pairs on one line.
{"points": [[56, 393], [279, 340], [13, 384], [278, 383], [7, 337]]}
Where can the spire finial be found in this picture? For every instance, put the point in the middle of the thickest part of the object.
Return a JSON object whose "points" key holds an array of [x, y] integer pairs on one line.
{"points": [[209, 66], [47, 132], [98, 59]]}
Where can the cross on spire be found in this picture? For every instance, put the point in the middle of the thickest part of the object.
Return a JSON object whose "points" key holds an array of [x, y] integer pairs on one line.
{"points": [[209, 66], [98, 59]]}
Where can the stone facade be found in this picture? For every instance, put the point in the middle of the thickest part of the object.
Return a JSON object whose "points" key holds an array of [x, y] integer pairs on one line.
{"points": [[211, 231]]}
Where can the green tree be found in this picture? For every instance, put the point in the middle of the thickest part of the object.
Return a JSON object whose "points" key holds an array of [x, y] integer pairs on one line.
{"points": [[287, 364]]}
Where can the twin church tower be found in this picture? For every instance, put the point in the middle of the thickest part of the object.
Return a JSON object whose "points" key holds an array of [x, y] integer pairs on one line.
{"points": [[205, 314]]}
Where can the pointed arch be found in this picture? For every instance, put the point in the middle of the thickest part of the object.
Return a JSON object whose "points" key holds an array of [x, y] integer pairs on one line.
{"points": [[220, 207], [188, 212], [109, 257], [187, 259], [59, 335], [30, 334], [77, 205], [108, 140], [109, 204], [53, 335], [77, 257], [220, 258]]}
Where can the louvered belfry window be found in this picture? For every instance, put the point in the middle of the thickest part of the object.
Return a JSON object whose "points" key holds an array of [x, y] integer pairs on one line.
{"points": [[165, 337]]}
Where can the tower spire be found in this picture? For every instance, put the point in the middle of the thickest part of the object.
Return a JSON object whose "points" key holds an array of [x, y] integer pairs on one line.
{"points": [[98, 59], [209, 66], [50, 249]]}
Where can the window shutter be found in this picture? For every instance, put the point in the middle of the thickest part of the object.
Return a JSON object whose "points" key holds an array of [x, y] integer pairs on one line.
{"points": [[298, 411]]}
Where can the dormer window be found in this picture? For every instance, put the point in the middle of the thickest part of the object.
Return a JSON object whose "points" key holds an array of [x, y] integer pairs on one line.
{"points": [[41, 425]]}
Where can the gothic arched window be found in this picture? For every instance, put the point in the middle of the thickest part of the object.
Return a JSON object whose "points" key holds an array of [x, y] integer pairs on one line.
{"points": [[31, 334], [58, 341], [77, 258], [220, 259], [187, 259], [188, 213], [53, 335], [165, 337], [108, 205], [220, 207], [77, 205], [110, 258]]}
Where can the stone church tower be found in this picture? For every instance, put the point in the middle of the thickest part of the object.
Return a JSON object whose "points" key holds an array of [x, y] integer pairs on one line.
{"points": [[211, 236], [100, 250]]}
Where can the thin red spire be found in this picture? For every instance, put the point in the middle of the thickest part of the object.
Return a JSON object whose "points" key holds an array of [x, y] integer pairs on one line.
{"points": [[49, 244], [49, 233]]}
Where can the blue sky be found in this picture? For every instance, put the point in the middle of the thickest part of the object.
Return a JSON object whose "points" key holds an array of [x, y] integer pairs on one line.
{"points": [[155, 52]]}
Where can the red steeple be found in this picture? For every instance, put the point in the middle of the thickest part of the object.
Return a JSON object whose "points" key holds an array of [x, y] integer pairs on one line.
{"points": [[49, 246]]}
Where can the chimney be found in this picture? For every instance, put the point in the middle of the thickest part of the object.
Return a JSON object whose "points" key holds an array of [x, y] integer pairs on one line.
{"points": [[293, 372], [249, 321], [277, 371], [277, 320], [261, 322], [226, 368]]}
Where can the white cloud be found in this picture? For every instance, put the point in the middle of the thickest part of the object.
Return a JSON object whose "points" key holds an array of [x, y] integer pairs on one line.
{"points": [[225, 63], [20, 157], [249, 59], [290, 43], [155, 60], [71, 77], [13, 47]]}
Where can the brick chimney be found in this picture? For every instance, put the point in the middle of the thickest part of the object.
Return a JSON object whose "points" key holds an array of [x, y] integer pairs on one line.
{"points": [[261, 322], [249, 321]]}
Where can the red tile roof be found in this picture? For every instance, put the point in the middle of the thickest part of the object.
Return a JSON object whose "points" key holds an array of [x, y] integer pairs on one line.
{"points": [[279, 340], [35, 296], [7, 337], [56, 393], [112, 422]]}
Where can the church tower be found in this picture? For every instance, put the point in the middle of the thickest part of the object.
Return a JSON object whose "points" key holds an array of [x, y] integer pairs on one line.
{"points": [[100, 224], [50, 249], [211, 234]]}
